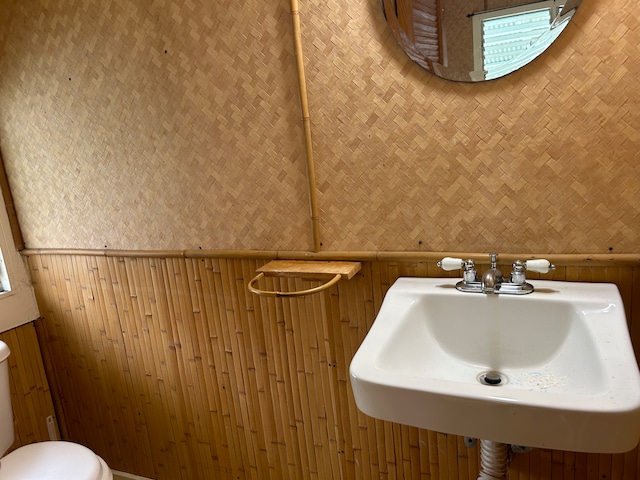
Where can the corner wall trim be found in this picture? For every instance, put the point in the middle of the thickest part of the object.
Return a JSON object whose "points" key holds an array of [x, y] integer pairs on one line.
{"points": [[11, 210], [306, 121]]}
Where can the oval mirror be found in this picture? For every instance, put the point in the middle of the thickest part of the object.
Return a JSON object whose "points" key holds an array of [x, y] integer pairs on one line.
{"points": [[476, 40]]}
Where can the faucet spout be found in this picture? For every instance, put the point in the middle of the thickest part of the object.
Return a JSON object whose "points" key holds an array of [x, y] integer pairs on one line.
{"points": [[491, 282], [492, 278]]}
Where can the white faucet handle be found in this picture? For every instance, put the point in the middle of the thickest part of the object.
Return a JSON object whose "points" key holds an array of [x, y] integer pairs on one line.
{"points": [[540, 266], [449, 263]]}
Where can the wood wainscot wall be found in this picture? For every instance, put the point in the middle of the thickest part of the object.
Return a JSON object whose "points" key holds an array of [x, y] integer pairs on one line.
{"points": [[169, 368], [30, 394]]}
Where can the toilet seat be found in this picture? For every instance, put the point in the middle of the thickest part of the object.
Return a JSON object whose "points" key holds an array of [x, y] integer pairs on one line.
{"points": [[53, 461]]}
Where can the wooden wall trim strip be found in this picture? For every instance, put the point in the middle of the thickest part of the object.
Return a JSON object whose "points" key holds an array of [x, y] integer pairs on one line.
{"points": [[306, 122], [578, 259], [5, 190]]}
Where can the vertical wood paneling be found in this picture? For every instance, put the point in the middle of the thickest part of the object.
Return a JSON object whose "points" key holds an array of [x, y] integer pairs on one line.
{"points": [[30, 395], [170, 369]]}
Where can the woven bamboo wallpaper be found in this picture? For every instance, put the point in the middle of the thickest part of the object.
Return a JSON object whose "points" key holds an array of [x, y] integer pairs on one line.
{"points": [[545, 160], [171, 369], [173, 125], [155, 124]]}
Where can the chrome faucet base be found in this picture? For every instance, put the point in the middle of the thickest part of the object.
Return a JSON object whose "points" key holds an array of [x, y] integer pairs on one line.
{"points": [[507, 288], [492, 281]]}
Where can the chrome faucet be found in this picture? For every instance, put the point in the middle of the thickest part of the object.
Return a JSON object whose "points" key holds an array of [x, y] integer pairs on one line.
{"points": [[492, 278], [492, 281]]}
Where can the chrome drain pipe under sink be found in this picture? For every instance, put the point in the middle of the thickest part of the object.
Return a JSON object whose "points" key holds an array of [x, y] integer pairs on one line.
{"points": [[494, 458]]}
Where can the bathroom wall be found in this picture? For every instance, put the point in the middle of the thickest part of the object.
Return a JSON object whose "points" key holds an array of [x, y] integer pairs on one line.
{"points": [[537, 161], [30, 394], [153, 125], [171, 369], [176, 126], [172, 125]]}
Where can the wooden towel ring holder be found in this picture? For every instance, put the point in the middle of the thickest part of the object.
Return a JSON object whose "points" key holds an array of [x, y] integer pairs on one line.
{"points": [[293, 268]]}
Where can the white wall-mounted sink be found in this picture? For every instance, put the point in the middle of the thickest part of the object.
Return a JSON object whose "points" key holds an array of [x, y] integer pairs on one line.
{"points": [[568, 377]]}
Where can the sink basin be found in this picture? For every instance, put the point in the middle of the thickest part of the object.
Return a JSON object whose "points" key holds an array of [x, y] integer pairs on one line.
{"points": [[554, 369]]}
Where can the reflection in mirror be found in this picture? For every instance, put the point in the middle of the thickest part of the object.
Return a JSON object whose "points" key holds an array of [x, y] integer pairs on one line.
{"points": [[476, 40]]}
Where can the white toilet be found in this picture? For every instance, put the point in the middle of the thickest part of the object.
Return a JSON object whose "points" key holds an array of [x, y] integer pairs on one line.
{"points": [[43, 460]]}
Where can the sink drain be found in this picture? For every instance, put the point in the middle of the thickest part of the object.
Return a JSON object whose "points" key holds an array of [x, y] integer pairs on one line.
{"points": [[492, 378]]}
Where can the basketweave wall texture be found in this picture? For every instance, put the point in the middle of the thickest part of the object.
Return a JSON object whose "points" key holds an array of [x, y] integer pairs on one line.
{"points": [[153, 125], [544, 160], [177, 125]]}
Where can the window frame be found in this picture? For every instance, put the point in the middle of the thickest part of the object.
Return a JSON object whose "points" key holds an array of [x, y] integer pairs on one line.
{"points": [[555, 8], [18, 305]]}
